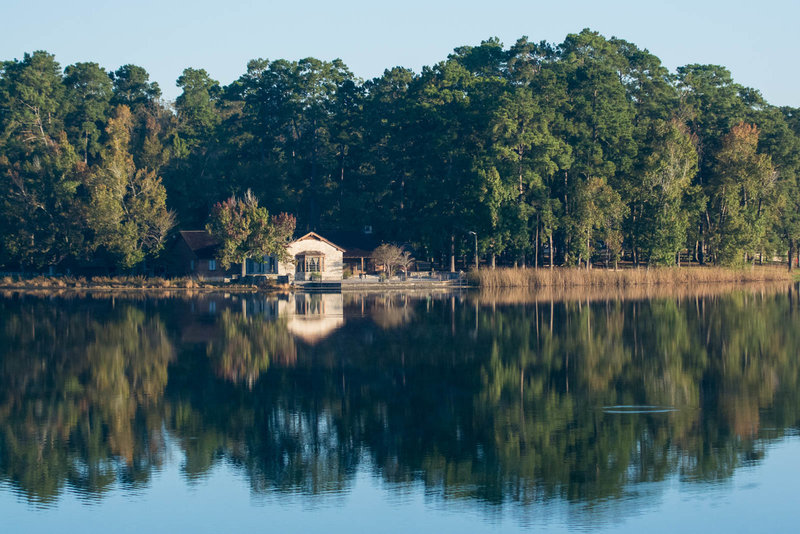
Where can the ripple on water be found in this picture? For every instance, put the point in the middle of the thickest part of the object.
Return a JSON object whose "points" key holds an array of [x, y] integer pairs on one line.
{"points": [[637, 409]]}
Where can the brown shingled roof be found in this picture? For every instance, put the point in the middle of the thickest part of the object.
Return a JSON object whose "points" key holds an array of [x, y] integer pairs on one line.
{"points": [[203, 244]]}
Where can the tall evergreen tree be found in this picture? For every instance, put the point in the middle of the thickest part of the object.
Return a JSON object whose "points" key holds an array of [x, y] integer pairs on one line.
{"points": [[89, 91]]}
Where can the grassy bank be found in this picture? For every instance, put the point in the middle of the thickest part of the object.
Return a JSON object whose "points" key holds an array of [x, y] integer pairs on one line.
{"points": [[115, 282], [667, 276]]}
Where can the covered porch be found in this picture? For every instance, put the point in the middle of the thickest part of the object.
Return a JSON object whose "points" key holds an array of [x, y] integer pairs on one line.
{"points": [[309, 265]]}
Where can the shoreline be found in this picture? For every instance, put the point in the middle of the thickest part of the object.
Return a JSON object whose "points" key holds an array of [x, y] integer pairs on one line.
{"points": [[480, 296], [510, 279]]}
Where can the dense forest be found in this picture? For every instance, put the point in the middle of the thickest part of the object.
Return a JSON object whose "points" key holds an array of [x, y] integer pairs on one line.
{"points": [[591, 149]]}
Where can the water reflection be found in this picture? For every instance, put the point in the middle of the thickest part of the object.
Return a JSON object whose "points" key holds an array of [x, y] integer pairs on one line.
{"points": [[479, 398]]}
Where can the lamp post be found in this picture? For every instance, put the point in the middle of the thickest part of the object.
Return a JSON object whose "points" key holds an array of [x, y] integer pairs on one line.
{"points": [[476, 249]]}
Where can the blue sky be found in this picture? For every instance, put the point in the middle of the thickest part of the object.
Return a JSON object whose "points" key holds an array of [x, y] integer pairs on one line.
{"points": [[757, 41]]}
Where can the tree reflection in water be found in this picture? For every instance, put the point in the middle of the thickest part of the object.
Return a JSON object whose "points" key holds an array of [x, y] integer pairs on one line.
{"points": [[80, 396], [477, 396]]}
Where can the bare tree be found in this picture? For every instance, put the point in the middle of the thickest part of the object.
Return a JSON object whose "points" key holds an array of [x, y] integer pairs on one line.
{"points": [[391, 257]]}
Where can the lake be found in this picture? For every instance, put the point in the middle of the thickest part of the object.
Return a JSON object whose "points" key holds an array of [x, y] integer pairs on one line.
{"points": [[655, 411]]}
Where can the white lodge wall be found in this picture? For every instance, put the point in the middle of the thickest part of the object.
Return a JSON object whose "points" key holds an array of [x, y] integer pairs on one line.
{"points": [[333, 258]]}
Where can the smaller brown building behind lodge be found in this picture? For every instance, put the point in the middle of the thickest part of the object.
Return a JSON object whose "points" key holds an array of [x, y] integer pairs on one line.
{"points": [[194, 253]]}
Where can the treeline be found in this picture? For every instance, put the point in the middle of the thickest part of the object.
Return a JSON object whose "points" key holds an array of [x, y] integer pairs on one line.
{"points": [[575, 153]]}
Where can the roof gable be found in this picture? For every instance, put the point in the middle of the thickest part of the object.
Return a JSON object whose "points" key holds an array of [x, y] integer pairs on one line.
{"points": [[316, 237], [203, 244]]}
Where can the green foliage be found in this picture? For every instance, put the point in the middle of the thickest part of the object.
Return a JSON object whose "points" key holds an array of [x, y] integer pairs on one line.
{"points": [[132, 87], [89, 91], [246, 230], [744, 184], [40, 173], [196, 105], [664, 214], [590, 149], [128, 210]]}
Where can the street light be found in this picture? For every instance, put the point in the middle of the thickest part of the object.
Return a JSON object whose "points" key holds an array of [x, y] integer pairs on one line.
{"points": [[476, 248]]}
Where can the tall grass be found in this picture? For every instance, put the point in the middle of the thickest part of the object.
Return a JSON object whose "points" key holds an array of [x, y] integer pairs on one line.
{"points": [[516, 295], [668, 276]]}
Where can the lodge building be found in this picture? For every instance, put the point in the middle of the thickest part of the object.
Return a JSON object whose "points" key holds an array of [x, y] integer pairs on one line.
{"points": [[313, 258]]}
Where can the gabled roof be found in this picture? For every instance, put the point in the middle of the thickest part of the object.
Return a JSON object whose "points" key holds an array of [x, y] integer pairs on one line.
{"points": [[317, 237], [203, 244]]}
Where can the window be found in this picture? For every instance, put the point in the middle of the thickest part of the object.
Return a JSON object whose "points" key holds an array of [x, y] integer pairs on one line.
{"points": [[313, 265], [310, 263], [212, 265], [191, 265]]}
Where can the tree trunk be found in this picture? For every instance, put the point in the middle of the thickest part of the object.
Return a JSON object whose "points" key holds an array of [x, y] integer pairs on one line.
{"points": [[494, 261], [791, 253], [244, 267], [704, 225], [588, 251], [551, 250], [536, 246], [452, 253]]}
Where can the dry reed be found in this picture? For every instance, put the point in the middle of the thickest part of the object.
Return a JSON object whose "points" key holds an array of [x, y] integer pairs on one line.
{"points": [[668, 276], [521, 296]]}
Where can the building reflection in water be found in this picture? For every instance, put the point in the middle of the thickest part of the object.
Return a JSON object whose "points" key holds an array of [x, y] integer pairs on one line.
{"points": [[312, 317], [309, 317]]}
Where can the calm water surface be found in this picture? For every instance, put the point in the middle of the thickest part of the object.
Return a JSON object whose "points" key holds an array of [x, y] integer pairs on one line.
{"points": [[405, 413]]}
